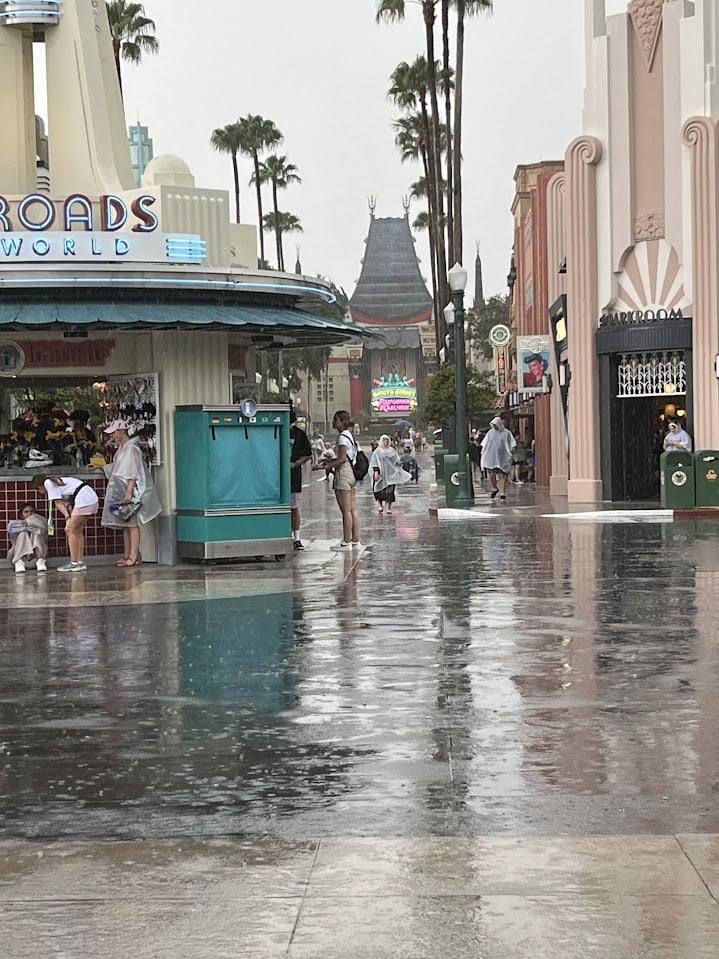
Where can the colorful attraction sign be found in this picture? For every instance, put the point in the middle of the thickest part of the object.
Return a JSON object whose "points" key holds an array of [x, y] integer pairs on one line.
{"points": [[394, 394]]}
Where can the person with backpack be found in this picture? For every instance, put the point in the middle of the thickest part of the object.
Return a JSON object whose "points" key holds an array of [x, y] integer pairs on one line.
{"points": [[345, 480]]}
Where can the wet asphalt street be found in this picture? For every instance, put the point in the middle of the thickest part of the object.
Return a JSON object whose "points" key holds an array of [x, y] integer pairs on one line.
{"points": [[488, 734]]}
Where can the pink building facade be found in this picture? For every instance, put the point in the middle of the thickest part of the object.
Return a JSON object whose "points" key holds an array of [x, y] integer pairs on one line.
{"points": [[634, 220]]}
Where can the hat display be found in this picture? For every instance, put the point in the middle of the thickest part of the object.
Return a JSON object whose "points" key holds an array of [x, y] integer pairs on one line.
{"points": [[115, 426], [36, 459]]}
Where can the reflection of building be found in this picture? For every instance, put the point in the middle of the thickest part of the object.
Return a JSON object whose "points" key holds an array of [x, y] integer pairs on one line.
{"points": [[141, 150], [392, 299], [637, 218]]}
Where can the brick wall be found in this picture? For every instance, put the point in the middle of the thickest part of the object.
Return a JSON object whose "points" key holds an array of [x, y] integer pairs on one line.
{"points": [[99, 541]]}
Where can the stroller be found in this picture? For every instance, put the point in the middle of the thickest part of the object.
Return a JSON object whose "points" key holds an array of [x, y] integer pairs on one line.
{"points": [[409, 463]]}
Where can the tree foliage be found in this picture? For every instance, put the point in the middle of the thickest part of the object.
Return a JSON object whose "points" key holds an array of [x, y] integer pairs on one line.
{"points": [[441, 402], [133, 34], [481, 320]]}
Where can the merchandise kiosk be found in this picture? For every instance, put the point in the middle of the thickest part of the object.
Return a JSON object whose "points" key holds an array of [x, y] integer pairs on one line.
{"points": [[233, 481]]}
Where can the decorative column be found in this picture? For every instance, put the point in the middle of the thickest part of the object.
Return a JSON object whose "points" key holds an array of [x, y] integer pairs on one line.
{"points": [[89, 151], [17, 112], [556, 285], [585, 483], [701, 135]]}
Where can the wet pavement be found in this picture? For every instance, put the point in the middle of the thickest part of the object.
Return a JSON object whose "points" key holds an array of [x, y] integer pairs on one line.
{"points": [[487, 733]]}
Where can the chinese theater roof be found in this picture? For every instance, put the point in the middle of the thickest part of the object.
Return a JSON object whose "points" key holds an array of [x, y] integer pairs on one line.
{"points": [[390, 291]]}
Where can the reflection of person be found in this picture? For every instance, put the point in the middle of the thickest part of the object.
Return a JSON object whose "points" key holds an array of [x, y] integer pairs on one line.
{"points": [[497, 447], [128, 481], [537, 364], [301, 453], [677, 438], [519, 460], [77, 501], [28, 539], [387, 474], [344, 481]]}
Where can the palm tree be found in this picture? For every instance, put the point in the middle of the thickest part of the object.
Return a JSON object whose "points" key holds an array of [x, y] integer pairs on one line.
{"points": [[228, 140], [133, 34], [277, 171], [256, 135], [394, 11], [409, 89], [465, 8], [280, 223]]}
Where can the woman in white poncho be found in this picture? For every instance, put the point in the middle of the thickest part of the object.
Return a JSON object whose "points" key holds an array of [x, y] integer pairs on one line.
{"points": [[387, 474], [497, 447], [128, 481]]}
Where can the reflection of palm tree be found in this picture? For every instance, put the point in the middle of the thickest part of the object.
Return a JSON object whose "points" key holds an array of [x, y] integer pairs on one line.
{"points": [[133, 34], [281, 223], [257, 134], [228, 140], [277, 171]]}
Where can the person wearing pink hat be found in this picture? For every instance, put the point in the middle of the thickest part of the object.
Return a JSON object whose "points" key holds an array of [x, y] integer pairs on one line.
{"points": [[128, 481]]}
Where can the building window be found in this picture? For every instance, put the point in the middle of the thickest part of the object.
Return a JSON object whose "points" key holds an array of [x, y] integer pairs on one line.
{"points": [[329, 393]]}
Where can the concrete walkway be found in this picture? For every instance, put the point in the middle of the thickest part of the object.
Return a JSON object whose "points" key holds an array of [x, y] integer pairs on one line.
{"points": [[488, 735]]}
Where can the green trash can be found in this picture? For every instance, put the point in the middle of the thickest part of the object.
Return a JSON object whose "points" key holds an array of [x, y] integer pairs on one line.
{"points": [[676, 479], [439, 455], [706, 477], [451, 478]]}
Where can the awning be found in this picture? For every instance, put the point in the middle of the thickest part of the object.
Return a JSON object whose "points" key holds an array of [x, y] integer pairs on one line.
{"points": [[295, 325]]}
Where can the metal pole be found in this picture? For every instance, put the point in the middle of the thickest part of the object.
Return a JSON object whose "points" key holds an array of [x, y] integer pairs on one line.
{"points": [[464, 496]]}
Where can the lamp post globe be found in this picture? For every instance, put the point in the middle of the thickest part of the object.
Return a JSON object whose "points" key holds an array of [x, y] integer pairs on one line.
{"points": [[457, 278]]}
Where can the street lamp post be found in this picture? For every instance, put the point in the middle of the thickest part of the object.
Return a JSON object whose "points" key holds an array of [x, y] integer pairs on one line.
{"points": [[457, 277]]}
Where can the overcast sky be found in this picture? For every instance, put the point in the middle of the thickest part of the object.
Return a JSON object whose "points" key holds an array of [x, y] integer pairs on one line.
{"points": [[319, 69]]}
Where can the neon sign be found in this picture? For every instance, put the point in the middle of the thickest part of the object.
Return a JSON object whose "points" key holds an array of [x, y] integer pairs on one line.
{"points": [[80, 247], [37, 213], [394, 394]]}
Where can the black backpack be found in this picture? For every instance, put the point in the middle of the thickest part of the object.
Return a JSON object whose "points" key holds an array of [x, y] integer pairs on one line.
{"points": [[360, 467]]}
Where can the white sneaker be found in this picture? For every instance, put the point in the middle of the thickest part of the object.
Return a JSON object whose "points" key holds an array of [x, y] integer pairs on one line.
{"points": [[19, 566], [71, 568], [41, 566], [355, 544], [341, 546]]}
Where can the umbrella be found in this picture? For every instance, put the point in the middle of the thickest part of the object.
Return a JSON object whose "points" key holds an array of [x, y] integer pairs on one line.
{"points": [[401, 423]]}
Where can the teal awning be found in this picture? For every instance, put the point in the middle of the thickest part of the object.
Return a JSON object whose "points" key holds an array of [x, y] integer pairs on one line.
{"points": [[44, 314]]}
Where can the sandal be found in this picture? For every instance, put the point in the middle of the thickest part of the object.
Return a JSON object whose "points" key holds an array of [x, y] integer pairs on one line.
{"points": [[129, 562], [123, 561]]}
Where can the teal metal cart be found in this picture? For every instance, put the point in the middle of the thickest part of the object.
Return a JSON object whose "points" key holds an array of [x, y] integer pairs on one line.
{"points": [[233, 481]]}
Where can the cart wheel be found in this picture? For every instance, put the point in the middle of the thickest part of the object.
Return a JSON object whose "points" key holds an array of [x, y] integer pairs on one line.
{"points": [[280, 557]]}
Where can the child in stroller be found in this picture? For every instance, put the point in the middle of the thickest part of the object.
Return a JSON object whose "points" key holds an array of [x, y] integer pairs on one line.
{"points": [[409, 463]]}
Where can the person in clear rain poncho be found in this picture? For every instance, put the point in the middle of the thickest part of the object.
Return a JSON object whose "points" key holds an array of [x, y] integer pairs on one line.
{"points": [[387, 474], [128, 481]]}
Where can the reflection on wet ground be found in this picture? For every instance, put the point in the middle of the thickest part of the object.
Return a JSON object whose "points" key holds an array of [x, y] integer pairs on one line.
{"points": [[490, 735], [523, 674]]}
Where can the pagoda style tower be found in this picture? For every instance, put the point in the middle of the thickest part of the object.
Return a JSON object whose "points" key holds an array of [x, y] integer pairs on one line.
{"points": [[392, 298]]}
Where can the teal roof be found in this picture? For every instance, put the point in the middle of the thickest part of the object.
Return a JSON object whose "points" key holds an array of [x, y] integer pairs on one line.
{"points": [[308, 328]]}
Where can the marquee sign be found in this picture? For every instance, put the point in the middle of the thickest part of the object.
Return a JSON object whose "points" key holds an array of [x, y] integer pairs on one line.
{"points": [[394, 394], [87, 235]]}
